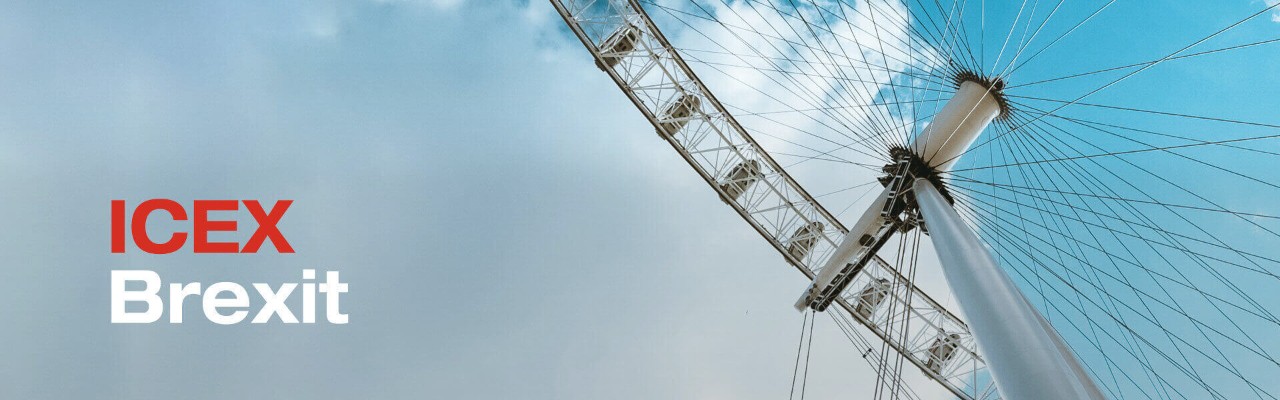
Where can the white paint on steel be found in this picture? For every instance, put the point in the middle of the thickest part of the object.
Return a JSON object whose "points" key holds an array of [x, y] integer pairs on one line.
{"points": [[851, 248], [653, 76], [952, 131], [959, 123], [1025, 356]]}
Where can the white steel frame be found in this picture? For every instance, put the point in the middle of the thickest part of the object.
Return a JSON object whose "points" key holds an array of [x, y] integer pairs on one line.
{"points": [[654, 76]]}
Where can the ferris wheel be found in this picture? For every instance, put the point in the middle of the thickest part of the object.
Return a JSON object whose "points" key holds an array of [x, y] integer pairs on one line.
{"points": [[1099, 240]]}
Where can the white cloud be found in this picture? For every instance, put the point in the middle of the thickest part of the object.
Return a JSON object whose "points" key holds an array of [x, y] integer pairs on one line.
{"points": [[323, 21], [748, 64], [499, 243], [445, 5]]}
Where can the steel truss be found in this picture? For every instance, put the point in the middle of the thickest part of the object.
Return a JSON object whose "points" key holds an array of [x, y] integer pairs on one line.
{"points": [[628, 46]]}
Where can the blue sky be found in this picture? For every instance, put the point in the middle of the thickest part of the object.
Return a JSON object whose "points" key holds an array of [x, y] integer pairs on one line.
{"points": [[1147, 269], [509, 224], [493, 204]]}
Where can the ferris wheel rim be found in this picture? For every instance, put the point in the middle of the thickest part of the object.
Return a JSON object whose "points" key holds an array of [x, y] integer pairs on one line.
{"points": [[809, 199], [765, 153]]}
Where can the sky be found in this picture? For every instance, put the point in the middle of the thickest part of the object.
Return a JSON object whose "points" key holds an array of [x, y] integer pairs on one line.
{"points": [[509, 225], [1083, 265]]}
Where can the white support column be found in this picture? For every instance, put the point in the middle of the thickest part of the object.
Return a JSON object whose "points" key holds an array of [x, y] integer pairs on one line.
{"points": [[851, 247], [959, 123], [1026, 357]]}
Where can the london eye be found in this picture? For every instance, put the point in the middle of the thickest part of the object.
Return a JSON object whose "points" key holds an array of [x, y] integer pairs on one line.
{"points": [[1100, 204]]}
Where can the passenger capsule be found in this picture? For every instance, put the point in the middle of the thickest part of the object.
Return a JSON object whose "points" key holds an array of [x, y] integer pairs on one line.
{"points": [[804, 239], [941, 351], [620, 43], [740, 178], [870, 297], [679, 111]]}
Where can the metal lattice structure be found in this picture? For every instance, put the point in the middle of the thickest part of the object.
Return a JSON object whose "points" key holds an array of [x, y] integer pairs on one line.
{"points": [[1112, 246], [628, 46]]}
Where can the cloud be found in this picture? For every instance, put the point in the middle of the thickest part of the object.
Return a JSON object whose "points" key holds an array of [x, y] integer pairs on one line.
{"points": [[1275, 14], [765, 63], [508, 223], [442, 5]]}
